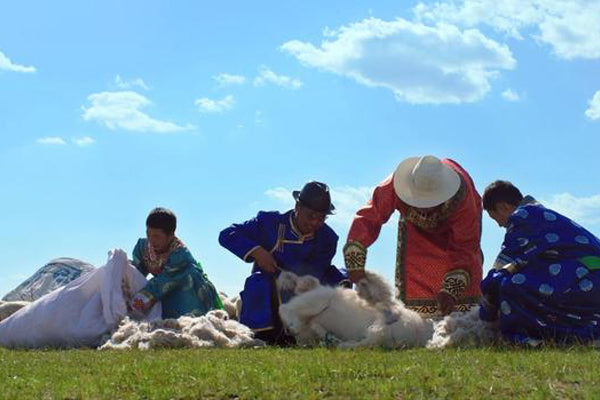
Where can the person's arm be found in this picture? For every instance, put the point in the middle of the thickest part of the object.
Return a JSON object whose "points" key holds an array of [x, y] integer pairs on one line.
{"points": [[174, 275], [138, 258], [490, 289], [366, 227], [323, 258], [525, 240], [243, 240]]}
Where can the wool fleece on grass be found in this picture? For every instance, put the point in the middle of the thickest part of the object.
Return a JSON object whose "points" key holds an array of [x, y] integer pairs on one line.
{"points": [[214, 329]]}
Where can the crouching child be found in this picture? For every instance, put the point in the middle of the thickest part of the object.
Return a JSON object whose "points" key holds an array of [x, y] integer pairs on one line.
{"points": [[178, 279]]}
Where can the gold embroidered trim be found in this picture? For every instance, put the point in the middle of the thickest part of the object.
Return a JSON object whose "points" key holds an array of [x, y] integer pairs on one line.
{"points": [[428, 311], [511, 267], [355, 256], [250, 252], [155, 262], [456, 282]]}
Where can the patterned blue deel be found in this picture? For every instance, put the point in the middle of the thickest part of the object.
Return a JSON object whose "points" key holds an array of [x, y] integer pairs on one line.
{"points": [[294, 252], [554, 293]]}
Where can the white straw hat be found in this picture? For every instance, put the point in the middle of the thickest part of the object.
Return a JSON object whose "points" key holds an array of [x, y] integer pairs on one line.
{"points": [[425, 182]]}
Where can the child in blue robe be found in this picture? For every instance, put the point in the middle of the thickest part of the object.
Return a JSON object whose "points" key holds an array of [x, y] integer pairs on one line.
{"points": [[545, 284]]}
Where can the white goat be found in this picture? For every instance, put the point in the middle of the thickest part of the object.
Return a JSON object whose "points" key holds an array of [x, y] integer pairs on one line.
{"points": [[370, 316]]}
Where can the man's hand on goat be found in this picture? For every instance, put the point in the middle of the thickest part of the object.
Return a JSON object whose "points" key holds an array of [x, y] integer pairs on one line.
{"points": [[445, 302], [264, 260]]}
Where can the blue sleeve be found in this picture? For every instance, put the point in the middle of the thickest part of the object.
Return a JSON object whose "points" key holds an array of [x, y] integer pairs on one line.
{"points": [[490, 290], [242, 239], [525, 238], [138, 257], [175, 274], [324, 257]]}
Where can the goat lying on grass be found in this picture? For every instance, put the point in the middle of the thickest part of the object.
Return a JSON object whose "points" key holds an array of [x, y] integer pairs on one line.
{"points": [[370, 316]]}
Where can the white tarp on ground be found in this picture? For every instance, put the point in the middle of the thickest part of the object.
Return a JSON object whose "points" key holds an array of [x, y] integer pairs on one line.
{"points": [[55, 274], [80, 313]]}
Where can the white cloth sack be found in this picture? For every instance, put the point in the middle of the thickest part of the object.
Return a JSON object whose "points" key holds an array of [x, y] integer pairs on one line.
{"points": [[80, 313]]}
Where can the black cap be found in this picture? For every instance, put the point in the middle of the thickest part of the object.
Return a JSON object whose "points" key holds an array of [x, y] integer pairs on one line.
{"points": [[315, 195]]}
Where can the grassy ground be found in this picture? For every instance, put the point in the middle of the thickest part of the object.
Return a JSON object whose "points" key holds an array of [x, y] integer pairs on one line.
{"points": [[299, 374]]}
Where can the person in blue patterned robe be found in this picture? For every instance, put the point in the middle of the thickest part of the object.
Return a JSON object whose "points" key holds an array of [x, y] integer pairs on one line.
{"points": [[178, 279], [545, 284], [298, 241]]}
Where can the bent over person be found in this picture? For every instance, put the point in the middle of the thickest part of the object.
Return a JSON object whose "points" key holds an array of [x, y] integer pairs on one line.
{"points": [[298, 241], [178, 279], [439, 259], [545, 284]]}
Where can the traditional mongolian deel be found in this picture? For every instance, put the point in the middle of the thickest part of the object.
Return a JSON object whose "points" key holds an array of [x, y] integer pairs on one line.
{"points": [[437, 250], [546, 280], [178, 282], [294, 252]]}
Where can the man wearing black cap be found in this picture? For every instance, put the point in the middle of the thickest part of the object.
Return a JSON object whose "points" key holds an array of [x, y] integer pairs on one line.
{"points": [[298, 241]]}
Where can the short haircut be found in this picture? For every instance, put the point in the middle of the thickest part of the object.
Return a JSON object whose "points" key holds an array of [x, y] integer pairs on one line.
{"points": [[162, 218], [501, 191]]}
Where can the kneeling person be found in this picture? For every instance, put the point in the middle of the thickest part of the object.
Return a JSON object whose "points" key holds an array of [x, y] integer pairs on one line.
{"points": [[178, 280], [298, 241], [545, 283]]}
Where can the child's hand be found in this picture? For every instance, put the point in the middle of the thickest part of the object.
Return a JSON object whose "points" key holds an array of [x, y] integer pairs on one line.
{"points": [[141, 301]]}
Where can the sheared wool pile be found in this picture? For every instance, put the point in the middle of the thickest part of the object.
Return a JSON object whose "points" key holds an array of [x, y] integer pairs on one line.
{"points": [[211, 330], [463, 329]]}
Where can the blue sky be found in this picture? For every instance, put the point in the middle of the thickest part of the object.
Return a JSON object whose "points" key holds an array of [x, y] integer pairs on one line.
{"points": [[220, 110]]}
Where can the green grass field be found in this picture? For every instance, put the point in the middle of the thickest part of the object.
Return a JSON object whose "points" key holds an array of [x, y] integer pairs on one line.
{"points": [[301, 373]]}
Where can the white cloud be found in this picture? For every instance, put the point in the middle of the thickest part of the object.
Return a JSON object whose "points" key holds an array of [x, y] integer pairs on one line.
{"points": [[570, 27], [84, 141], [510, 95], [52, 140], [224, 79], [121, 84], [420, 64], [267, 76], [281, 194], [584, 210], [593, 112], [121, 110], [7, 64], [207, 105], [346, 199]]}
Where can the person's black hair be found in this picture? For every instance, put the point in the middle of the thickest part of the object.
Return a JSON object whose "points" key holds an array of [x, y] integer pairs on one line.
{"points": [[501, 191], [162, 218]]}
